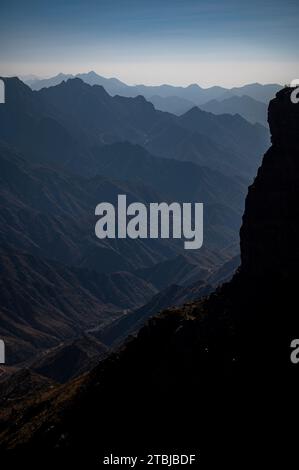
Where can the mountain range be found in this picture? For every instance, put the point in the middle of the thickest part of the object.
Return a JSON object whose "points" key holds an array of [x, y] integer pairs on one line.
{"points": [[84, 118], [222, 361], [66, 148], [67, 298], [252, 104], [193, 92], [251, 109]]}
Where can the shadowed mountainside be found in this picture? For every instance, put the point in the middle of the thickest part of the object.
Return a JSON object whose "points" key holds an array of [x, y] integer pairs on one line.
{"points": [[50, 213], [47, 209], [43, 302], [205, 361], [84, 118]]}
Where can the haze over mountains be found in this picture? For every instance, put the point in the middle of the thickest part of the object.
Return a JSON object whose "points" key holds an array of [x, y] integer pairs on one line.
{"points": [[85, 117], [249, 108], [64, 149], [178, 100], [149, 227], [193, 92]]}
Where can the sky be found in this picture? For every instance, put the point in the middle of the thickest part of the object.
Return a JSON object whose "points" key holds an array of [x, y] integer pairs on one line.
{"points": [[216, 42]]}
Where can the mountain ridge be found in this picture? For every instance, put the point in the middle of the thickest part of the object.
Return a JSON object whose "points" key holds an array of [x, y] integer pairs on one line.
{"points": [[115, 86], [206, 359], [85, 117], [251, 109]]}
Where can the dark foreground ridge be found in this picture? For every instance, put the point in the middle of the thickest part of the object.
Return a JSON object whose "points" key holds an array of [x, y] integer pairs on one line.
{"points": [[213, 377]]}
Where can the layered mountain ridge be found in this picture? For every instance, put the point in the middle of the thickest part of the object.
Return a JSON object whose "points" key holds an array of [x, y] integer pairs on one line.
{"points": [[206, 359], [194, 93], [250, 101], [67, 148], [84, 118]]}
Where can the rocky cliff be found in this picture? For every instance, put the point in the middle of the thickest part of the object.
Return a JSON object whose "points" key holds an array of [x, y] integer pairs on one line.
{"points": [[270, 230]]}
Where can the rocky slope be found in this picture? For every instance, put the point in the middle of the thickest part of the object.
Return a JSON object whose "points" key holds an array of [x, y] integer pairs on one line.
{"points": [[70, 359], [44, 303]]}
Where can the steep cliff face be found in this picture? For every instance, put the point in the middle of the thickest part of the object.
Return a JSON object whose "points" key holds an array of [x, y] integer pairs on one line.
{"points": [[211, 375], [270, 230]]}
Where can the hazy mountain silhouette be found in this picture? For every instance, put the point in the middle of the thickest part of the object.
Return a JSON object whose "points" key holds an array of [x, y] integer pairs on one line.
{"points": [[47, 212], [84, 117], [194, 93], [50, 215], [251, 109], [256, 91], [171, 104], [80, 113]]}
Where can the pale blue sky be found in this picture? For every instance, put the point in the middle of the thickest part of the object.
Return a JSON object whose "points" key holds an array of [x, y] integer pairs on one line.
{"points": [[224, 42]]}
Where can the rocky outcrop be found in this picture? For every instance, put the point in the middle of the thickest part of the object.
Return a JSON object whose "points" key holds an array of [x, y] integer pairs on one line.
{"points": [[270, 230]]}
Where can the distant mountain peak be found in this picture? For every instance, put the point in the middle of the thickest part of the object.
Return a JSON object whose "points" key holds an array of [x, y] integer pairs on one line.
{"points": [[193, 86], [61, 75], [140, 98], [92, 73], [195, 111], [76, 82]]}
